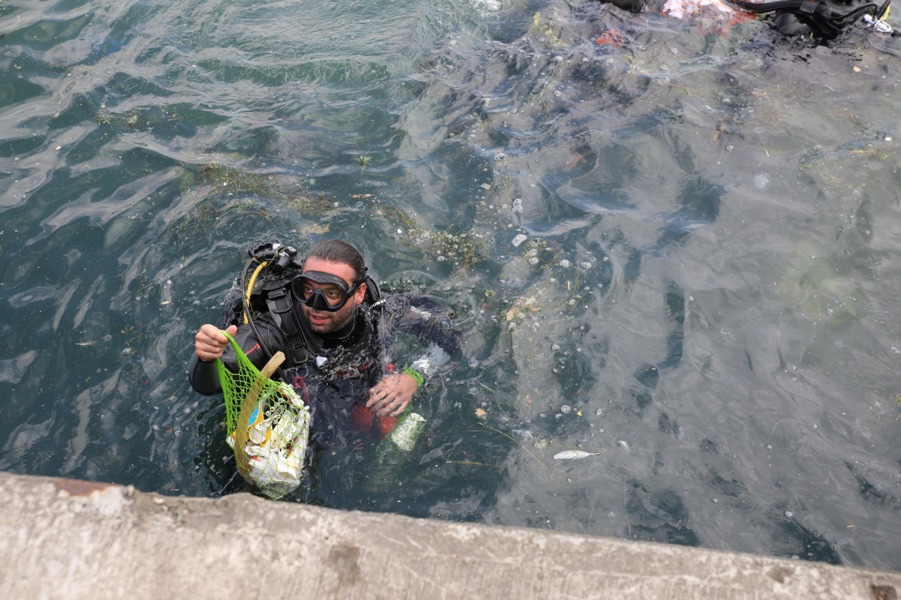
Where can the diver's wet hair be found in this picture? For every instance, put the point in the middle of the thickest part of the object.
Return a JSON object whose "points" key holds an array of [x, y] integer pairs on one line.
{"points": [[340, 252]]}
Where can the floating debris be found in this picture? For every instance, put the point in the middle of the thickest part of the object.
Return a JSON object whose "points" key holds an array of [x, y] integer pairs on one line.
{"points": [[520, 307], [574, 454]]}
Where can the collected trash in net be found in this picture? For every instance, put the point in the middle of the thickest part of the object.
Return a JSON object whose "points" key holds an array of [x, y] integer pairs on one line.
{"points": [[268, 424]]}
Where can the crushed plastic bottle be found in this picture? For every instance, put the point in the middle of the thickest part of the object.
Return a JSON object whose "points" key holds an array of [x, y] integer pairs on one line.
{"points": [[403, 437], [392, 454]]}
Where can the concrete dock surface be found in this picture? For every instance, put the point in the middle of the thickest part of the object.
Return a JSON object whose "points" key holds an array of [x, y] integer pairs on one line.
{"points": [[64, 538]]}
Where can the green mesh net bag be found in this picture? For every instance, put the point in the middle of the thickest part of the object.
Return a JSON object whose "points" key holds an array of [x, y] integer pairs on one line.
{"points": [[268, 424]]}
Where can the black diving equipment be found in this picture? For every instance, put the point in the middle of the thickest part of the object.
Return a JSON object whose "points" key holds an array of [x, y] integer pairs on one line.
{"points": [[822, 18]]}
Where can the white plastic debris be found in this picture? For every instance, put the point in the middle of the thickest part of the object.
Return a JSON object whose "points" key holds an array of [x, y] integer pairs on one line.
{"points": [[574, 454]]}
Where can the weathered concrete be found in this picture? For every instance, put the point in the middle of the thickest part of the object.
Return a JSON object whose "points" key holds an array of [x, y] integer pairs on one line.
{"points": [[61, 538]]}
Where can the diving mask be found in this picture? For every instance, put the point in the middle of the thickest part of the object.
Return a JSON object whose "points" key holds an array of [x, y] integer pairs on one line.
{"points": [[323, 291]]}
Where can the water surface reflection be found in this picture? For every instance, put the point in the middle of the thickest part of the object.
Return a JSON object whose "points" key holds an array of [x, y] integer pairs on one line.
{"points": [[677, 254]]}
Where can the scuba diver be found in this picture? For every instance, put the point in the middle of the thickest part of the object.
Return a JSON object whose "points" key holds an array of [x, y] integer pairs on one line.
{"points": [[820, 19], [334, 326]]}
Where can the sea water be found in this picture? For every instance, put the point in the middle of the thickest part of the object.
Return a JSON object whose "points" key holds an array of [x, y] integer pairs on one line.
{"points": [[670, 247]]}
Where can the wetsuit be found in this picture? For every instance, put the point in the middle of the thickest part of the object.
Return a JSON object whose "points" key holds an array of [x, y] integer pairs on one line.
{"points": [[345, 365]]}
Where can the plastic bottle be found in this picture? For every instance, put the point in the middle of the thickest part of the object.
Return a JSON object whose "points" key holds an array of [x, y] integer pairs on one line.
{"points": [[392, 454], [398, 444]]}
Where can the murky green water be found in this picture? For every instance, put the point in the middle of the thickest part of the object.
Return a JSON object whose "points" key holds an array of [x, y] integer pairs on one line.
{"points": [[681, 254]]}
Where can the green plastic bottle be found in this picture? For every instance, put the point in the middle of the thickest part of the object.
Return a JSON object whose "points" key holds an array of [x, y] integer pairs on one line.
{"points": [[392, 454], [400, 442]]}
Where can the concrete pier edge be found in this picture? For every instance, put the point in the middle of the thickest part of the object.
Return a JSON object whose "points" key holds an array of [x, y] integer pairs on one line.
{"points": [[64, 538]]}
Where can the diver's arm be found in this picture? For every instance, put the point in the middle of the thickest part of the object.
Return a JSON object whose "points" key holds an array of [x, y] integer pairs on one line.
{"points": [[210, 344], [391, 396], [432, 324], [428, 363], [203, 376]]}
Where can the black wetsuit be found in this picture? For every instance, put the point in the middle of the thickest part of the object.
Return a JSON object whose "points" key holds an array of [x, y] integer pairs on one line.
{"points": [[335, 382]]}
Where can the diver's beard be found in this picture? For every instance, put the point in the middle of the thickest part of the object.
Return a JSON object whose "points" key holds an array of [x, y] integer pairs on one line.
{"points": [[325, 322]]}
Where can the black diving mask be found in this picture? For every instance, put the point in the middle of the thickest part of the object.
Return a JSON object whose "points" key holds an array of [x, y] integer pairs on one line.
{"points": [[323, 291]]}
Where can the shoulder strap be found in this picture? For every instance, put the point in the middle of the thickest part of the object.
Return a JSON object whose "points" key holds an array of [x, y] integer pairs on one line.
{"points": [[281, 310]]}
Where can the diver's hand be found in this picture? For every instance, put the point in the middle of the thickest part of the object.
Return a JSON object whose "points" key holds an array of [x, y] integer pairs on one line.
{"points": [[392, 394], [209, 342]]}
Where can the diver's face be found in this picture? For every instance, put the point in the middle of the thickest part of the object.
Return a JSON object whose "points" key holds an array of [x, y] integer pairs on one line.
{"points": [[323, 321]]}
